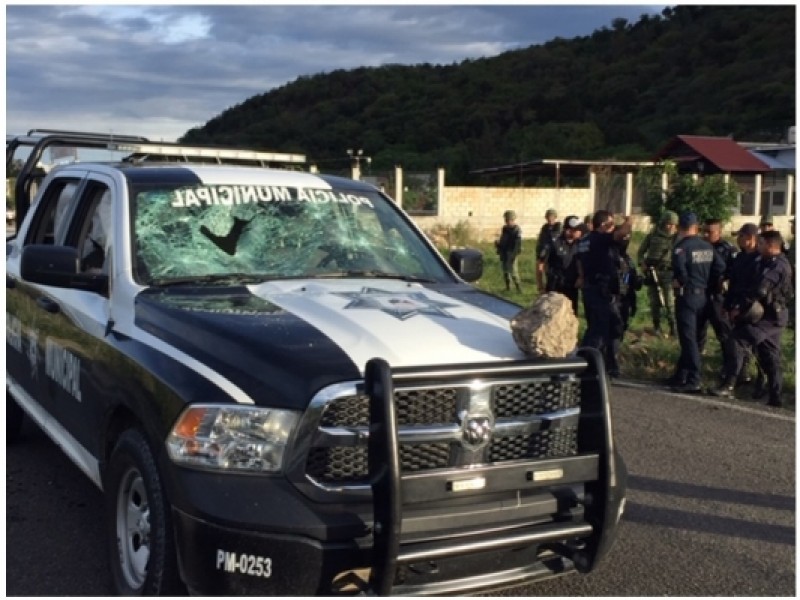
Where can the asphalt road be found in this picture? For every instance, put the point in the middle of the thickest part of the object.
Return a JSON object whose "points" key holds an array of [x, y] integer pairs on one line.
{"points": [[710, 511]]}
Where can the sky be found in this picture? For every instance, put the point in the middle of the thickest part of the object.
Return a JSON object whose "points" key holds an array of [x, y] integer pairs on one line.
{"points": [[159, 70]]}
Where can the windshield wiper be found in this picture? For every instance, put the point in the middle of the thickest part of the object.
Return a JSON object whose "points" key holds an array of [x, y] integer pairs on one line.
{"points": [[373, 275], [212, 279]]}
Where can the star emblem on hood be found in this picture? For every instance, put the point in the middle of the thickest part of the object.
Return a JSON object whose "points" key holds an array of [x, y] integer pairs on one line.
{"points": [[401, 305]]}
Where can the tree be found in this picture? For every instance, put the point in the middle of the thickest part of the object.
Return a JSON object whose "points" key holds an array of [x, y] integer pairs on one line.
{"points": [[708, 197]]}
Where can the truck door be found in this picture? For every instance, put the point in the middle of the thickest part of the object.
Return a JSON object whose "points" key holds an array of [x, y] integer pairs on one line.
{"points": [[71, 324], [27, 323]]}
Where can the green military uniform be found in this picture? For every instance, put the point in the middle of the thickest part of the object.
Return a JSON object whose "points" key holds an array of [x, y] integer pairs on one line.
{"points": [[509, 247], [655, 258]]}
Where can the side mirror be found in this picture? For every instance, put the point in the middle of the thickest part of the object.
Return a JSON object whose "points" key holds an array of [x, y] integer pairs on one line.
{"points": [[59, 266], [467, 263]]}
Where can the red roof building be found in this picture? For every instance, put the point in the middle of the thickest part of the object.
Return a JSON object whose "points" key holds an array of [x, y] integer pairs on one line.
{"points": [[764, 189], [711, 155]]}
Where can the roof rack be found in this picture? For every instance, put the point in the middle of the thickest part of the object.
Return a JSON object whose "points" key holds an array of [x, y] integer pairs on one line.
{"points": [[140, 148], [86, 134]]}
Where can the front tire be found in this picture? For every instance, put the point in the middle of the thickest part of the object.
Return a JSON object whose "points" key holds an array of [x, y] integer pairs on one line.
{"points": [[139, 524]]}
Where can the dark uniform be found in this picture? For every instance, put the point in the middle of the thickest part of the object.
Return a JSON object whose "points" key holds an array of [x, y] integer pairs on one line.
{"points": [[509, 247], [630, 282], [741, 276], [547, 234], [655, 255], [769, 283], [561, 268], [716, 316], [696, 268], [598, 253]]}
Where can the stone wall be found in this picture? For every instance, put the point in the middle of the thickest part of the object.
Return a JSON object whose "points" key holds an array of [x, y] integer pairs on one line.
{"points": [[483, 208]]}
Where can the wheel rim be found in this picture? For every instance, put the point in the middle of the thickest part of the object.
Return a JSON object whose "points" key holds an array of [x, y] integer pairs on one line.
{"points": [[133, 528]]}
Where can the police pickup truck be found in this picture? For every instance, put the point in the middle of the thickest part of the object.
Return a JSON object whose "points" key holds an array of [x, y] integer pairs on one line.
{"points": [[283, 388]]}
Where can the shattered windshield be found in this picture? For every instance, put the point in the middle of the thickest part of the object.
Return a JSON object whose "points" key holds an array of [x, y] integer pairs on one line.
{"points": [[249, 233]]}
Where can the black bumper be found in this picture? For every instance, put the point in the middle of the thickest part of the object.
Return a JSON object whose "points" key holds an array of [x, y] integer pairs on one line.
{"points": [[220, 561]]}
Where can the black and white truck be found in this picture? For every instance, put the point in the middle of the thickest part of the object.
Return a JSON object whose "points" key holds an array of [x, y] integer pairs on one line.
{"points": [[283, 388]]}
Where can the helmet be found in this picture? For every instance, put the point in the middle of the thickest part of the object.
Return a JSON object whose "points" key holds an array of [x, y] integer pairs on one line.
{"points": [[669, 216], [752, 314]]}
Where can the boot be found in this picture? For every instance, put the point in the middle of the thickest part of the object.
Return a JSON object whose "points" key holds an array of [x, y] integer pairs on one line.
{"points": [[508, 282], [726, 389], [657, 328], [760, 388], [516, 284], [775, 401]]}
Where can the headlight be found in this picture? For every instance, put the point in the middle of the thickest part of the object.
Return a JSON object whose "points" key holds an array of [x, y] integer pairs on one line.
{"points": [[231, 437]]}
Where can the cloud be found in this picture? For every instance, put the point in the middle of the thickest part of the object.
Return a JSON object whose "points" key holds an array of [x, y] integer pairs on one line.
{"points": [[159, 70]]}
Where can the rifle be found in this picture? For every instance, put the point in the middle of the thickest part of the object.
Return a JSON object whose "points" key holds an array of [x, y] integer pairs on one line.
{"points": [[651, 271]]}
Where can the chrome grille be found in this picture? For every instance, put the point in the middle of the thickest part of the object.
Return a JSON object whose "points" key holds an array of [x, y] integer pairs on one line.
{"points": [[534, 418]]}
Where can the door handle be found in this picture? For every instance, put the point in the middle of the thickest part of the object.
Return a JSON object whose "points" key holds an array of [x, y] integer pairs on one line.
{"points": [[49, 305]]}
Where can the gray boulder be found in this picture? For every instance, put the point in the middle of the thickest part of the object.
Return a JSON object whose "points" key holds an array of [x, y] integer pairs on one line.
{"points": [[548, 328]]}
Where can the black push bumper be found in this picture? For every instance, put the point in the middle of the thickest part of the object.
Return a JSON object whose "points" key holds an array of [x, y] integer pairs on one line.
{"points": [[299, 547]]}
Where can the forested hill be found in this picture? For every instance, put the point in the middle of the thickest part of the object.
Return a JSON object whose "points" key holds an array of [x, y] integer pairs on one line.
{"points": [[621, 93]]}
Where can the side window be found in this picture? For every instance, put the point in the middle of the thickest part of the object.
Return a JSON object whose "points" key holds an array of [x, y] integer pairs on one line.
{"points": [[53, 213], [94, 232]]}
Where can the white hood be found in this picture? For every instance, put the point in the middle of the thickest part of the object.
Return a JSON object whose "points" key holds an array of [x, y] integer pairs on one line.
{"points": [[404, 323]]}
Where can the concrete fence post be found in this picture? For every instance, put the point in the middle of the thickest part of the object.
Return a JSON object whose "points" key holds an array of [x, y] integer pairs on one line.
{"points": [[757, 196], [398, 185], [440, 190]]}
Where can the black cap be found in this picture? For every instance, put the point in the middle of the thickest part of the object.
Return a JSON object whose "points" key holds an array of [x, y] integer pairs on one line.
{"points": [[748, 229], [773, 236], [572, 222], [687, 219]]}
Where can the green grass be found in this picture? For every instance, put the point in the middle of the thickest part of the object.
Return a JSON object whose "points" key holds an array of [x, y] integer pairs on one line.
{"points": [[643, 356]]}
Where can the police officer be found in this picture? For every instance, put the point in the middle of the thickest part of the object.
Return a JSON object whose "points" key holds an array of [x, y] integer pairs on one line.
{"points": [[509, 247], [560, 265], [771, 290], [549, 231], [715, 313], [598, 277], [655, 261], [740, 275], [696, 269], [629, 284]]}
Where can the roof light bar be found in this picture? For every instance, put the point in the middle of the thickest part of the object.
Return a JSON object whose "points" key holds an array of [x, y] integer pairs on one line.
{"points": [[219, 154]]}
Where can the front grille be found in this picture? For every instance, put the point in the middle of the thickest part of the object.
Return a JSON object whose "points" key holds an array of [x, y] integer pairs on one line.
{"points": [[412, 407], [544, 444], [545, 409], [533, 398]]}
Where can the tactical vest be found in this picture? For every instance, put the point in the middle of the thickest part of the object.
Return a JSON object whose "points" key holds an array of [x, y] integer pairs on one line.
{"points": [[659, 251]]}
